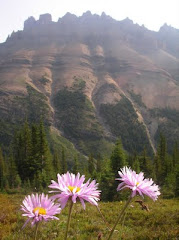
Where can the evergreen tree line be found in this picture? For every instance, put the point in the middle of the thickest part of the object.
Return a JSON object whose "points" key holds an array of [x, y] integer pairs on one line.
{"points": [[31, 165], [163, 168]]}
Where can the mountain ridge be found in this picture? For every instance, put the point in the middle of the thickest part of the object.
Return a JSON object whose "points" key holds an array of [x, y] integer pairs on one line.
{"points": [[95, 63]]}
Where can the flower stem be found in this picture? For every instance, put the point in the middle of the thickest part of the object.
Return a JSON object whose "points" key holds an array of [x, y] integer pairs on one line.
{"points": [[36, 229], [107, 224], [119, 217], [68, 221]]}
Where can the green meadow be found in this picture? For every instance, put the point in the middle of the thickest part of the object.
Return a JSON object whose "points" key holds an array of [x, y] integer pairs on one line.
{"points": [[160, 222]]}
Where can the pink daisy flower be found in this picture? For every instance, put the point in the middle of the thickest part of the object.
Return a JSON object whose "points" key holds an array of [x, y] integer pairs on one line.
{"points": [[137, 183], [73, 187], [38, 208]]}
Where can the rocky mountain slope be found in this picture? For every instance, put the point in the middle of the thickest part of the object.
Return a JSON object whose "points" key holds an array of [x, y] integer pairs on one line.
{"points": [[93, 79]]}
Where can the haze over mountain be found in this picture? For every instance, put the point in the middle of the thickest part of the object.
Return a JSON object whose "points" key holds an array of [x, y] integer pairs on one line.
{"points": [[93, 79]]}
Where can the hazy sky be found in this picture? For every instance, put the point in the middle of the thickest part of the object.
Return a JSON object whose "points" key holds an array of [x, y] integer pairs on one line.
{"points": [[152, 13]]}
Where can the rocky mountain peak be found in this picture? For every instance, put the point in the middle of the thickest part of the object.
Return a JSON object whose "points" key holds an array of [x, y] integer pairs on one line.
{"points": [[127, 21], [87, 14], [45, 18], [29, 22], [68, 18]]}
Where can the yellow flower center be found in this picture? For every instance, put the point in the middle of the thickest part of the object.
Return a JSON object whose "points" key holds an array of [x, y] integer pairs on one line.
{"points": [[40, 210], [71, 188], [137, 183]]}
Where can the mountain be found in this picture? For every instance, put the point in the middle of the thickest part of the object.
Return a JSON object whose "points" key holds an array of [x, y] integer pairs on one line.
{"points": [[93, 79]]}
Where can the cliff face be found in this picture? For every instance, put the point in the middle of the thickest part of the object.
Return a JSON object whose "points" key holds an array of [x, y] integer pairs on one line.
{"points": [[92, 78]]}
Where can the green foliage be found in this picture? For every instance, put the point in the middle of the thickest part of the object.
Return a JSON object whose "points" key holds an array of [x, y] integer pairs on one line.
{"points": [[57, 142], [169, 125], [78, 121], [146, 165], [177, 179], [107, 181], [36, 104], [13, 177], [56, 162], [31, 165], [31, 158], [32, 107], [45, 154], [175, 154], [73, 108], [91, 165], [137, 98], [63, 162], [118, 157], [98, 146], [166, 168], [44, 79], [79, 84], [136, 164], [99, 163], [123, 122], [117, 161], [169, 187], [76, 168], [161, 160], [2, 170], [17, 182]]}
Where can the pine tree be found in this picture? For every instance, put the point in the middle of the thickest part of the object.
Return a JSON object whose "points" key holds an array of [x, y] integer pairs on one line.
{"points": [[56, 162], [37, 182], [76, 165], [22, 152], [175, 154], [158, 168], [146, 164], [27, 144], [98, 164], [27, 185], [63, 161], [117, 160], [161, 160], [35, 155], [135, 163], [177, 180], [175, 158], [18, 181], [163, 155], [25, 148], [45, 158], [170, 188], [18, 153], [107, 182], [118, 157], [143, 161], [42, 146], [6, 173], [2, 170], [91, 166], [12, 172]]}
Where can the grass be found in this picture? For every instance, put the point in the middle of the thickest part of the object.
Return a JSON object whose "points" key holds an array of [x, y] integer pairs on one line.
{"points": [[160, 223]]}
